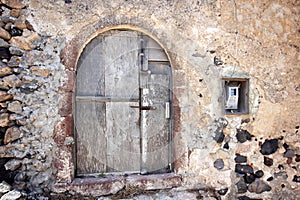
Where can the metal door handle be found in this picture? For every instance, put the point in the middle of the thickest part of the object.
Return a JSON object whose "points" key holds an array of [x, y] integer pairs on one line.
{"points": [[144, 107]]}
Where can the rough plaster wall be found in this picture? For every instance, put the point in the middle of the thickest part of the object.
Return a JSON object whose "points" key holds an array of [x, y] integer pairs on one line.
{"points": [[257, 39]]}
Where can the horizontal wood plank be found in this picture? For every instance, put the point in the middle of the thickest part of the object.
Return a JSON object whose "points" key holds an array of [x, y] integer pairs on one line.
{"points": [[104, 99]]}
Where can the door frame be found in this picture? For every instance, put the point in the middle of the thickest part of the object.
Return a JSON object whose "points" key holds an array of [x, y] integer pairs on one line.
{"points": [[170, 145], [64, 161]]}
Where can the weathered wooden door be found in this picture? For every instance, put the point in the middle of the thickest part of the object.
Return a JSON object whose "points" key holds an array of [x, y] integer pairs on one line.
{"points": [[122, 108]]}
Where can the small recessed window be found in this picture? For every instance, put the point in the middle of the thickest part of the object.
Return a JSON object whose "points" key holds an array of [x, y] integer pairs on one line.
{"points": [[236, 99]]}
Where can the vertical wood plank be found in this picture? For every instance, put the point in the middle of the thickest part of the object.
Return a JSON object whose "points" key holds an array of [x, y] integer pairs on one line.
{"points": [[123, 146], [122, 64], [91, 140], [122, 80], [90, 116], [90, 71]]}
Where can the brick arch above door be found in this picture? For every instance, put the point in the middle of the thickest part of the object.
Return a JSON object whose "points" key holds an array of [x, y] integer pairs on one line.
{"points": [[64, 161]]}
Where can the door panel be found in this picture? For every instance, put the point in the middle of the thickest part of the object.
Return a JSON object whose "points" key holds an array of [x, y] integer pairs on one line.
{"points": [[122, 122], [155, 123]]}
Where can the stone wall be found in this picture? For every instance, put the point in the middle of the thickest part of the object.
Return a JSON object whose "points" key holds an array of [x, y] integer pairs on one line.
{"points": [[255, 155]]}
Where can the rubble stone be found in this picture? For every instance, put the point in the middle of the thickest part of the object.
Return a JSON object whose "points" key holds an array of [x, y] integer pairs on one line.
{"points": [[12, 81], [259, 174], [289, 153], [240, 159], [13, 4], [296, 179], [4, 187], [241, 186], [12, 165], [40, 71], [12, 195], [259, 186], [4, 119], [269, 147], [243, 135], [219, 164], [243, 169], [223, 191], [4, 34], [5, 96], [12, 134], [268, 161], [25, 43], [5, 71], [15, 61], [3, 43], [219, 135], [15, 107], [249, 178], [15, 13], [16, 51], [20, 23]]}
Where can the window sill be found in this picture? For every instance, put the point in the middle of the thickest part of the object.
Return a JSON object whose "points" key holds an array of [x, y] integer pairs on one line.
{"points": [[113, 184]]}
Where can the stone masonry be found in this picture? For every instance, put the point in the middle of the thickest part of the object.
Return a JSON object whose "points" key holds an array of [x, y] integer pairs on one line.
{"points": [[217, 155]]}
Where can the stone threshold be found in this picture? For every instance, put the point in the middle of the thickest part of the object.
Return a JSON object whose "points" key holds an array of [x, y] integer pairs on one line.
{"points": [[109, 185]]}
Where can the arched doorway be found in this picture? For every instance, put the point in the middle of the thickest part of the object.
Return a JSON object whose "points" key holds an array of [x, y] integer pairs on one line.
{"points": [[123, 101]]}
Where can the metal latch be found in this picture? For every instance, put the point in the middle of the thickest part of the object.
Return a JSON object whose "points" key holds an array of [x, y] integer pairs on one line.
{"points": [[144, 107], [167, 110]]}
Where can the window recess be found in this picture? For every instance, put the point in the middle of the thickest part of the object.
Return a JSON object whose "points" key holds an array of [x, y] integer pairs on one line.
{"points": [[236, 96]]}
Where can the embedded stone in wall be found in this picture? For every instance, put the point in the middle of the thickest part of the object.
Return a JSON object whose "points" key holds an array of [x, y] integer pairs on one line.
{"points": [[289, 153], [268, 161], [219, 135], [3, 43], [40, 71], [15, 107], [4, 34], [12, 134], [241, 186], [259, 174], [243, 135], [12, 195], [25, 43], [269, 147], [5, 96], [240, 159], [219, 164], [243, 169], [4, 70], [258, 187], [296, 179], [4, 187], [16, 51], [15, 12], [15, 61], [4, 119], [13, 4], [20, 24], [12, 165], [12, 81], [249, 178]]}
